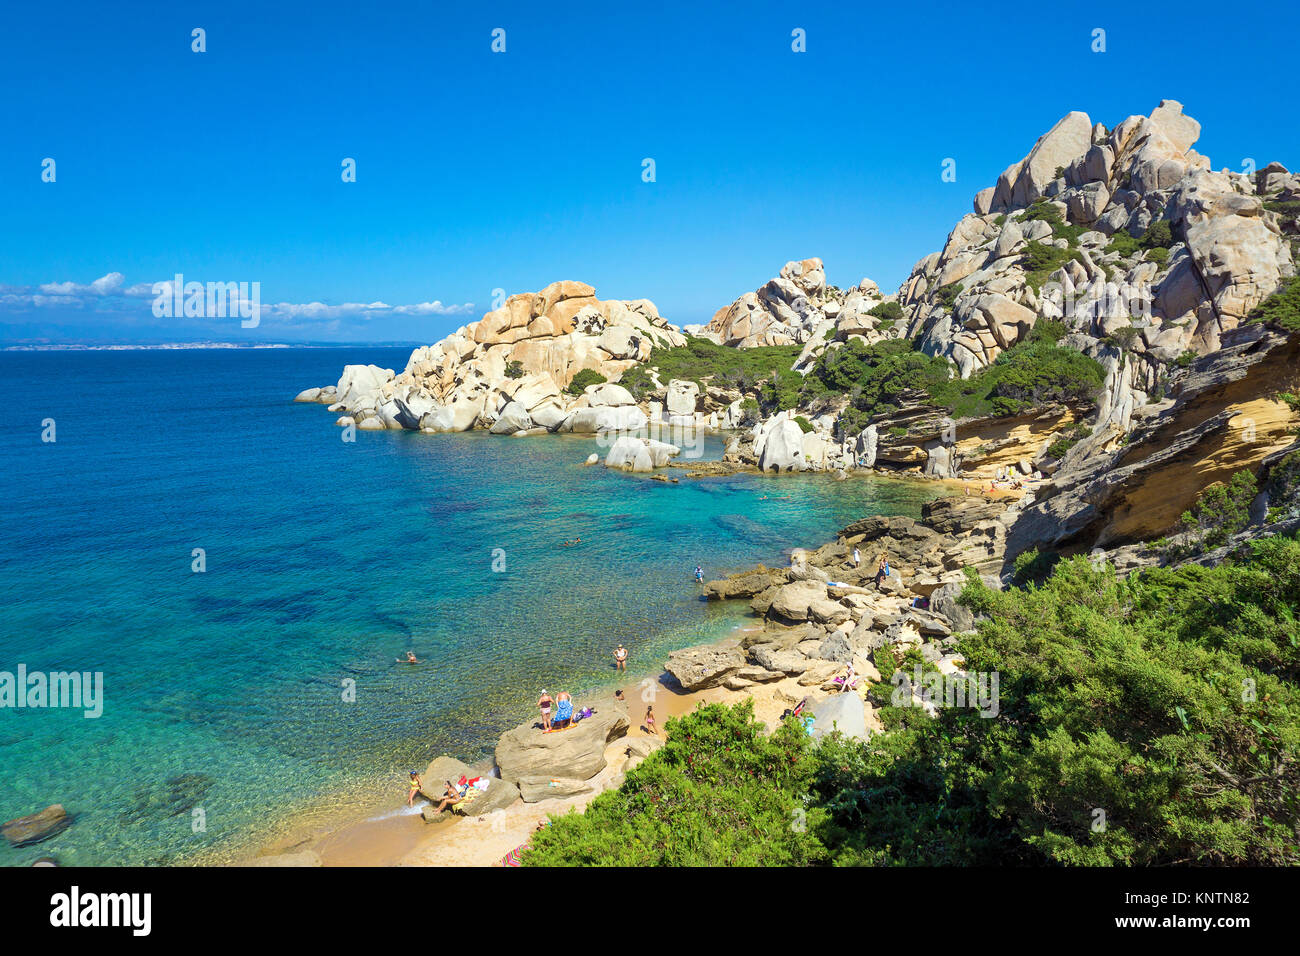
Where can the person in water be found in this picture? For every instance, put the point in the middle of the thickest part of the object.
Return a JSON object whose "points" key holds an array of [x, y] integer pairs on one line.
{"points": [[416, 785], [699, 574], [544, 705], [620, 658], [410, 658]]}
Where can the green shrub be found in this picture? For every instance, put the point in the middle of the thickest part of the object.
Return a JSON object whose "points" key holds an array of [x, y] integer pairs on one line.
{"points": [[719, 792], [1282, 308], [514, 369], [1187, 358], [585, 377], [1029, 374], [1124, 338], [1068, 439], [890, 312], [637, 381], [1048, 330], [874, 376], [1158, 255], [703, 361], [804, 425], [1040, 261], [1158, 235], [1221, 510], [946, 295], [1033, 566]]}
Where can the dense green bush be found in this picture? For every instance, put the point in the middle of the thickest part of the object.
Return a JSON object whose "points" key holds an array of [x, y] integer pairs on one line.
{"points": [[720, 792], [514, 369], [1040, 261], [874, 376], [584, 378], [784, 390], [1068, 439], [1221, 510], [1282, 308], [947, 295], [890, 312], [702, 360], [1044, 210], [1151, 721], [1158, 235], [1031, 373], [637, 381]]}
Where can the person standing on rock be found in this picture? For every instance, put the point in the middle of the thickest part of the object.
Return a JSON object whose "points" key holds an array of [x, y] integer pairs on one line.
{"points": [[544, 705], [857, 558], [620, 658]]}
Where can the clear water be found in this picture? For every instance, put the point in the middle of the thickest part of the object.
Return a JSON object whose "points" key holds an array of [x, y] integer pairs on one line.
{"points": [[325, 561]]}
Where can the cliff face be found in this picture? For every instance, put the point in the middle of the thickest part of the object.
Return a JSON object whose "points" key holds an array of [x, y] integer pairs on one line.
{"points": [[1226, 416], [1124, 231]]}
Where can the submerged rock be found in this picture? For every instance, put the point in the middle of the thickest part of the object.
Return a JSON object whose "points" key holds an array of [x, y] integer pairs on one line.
{"points": [[36, 827]]}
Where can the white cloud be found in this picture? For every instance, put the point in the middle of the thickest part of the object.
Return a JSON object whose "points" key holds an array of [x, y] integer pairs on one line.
{"points": [[108, 293]]}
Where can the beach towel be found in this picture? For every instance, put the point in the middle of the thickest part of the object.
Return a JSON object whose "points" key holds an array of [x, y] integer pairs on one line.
{"points": [[512, 858]]}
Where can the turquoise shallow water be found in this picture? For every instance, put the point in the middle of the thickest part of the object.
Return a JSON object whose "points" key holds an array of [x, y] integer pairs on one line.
{"points": [[325, 561]]}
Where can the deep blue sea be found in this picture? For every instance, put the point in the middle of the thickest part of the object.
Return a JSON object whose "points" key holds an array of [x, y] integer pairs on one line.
{"points": [[325, 560]]}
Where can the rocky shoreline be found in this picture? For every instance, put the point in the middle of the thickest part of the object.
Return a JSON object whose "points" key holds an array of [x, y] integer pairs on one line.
{"points": [[811, 619]]}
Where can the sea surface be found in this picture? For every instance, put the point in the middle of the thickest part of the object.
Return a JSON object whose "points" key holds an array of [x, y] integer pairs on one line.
{"points": [[268, 679]]}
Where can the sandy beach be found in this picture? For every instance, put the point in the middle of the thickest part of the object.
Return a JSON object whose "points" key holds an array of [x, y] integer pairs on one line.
{"points": [[390, 834]]}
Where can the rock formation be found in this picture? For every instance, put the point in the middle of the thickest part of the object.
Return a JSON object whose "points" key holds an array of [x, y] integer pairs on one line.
{"points": [[509, 371], [1080, 186], [794, 308]]}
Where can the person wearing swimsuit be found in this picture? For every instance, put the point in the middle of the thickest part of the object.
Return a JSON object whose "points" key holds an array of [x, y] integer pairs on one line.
{"points": [[620, 657], [416, 787], [544, 705]]}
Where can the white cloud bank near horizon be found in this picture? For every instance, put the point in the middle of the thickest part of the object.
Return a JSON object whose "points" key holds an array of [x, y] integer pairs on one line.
{"points": [[109, 295]]}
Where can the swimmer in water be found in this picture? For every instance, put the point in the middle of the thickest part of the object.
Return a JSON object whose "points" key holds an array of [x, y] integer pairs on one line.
{"points": [[409, 659], [699, 574]]}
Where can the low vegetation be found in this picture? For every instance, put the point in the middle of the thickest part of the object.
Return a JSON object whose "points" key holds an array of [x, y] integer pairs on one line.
{"points": [[1149, 721], [1282, 308], [705, 362], [579, 383], [1034, 372]]}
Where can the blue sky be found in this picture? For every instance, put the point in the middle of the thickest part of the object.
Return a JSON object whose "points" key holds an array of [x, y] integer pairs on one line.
{"points": [[478, 171]]}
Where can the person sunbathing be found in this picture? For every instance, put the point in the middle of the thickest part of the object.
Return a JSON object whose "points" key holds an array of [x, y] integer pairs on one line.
{"points": [[452, 797]]}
